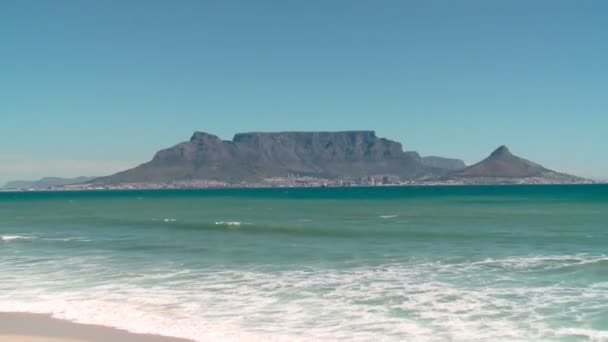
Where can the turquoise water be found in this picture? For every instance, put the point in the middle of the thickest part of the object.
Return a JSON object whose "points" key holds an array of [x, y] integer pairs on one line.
{"points": [[512, 263]]}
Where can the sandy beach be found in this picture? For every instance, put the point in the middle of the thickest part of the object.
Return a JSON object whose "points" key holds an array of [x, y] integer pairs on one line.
{"points": [[22, 338], [26, 327]]}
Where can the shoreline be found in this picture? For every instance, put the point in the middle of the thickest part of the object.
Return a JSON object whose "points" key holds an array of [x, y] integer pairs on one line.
{"points": [[33, 327], [411, 185]]}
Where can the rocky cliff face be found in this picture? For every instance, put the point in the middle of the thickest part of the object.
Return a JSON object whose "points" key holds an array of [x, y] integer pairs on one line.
{"points": [[254, 156]]}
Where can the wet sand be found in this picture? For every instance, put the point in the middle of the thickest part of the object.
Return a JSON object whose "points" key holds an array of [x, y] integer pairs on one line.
{"points": [[26, 327], [21, 338]]}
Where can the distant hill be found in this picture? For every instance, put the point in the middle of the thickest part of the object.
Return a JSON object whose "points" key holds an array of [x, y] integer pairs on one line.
{"points": [[504, 167], [46, 182], [254, 156]]}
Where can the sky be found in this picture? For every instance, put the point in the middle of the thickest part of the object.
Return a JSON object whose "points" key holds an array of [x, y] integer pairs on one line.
{"points": [[93, 87]]}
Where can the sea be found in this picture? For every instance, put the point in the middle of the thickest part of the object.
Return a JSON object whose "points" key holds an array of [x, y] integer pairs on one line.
{"points": [[460, 263]]}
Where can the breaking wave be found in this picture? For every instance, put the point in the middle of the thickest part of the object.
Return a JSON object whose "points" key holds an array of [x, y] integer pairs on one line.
{"points": [[15, 237], [422, 301], [228, 223]]}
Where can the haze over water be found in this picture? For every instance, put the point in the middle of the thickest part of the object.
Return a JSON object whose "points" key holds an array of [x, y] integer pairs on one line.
{"points": [[505, 263]]}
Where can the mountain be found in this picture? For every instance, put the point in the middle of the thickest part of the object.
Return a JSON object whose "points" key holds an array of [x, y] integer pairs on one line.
{"points": [[46, 182], [312, 158], [251, 157], [504, 167], [444, 163]]}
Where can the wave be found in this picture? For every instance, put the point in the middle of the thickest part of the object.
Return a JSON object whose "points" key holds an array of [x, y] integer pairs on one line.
{"points": [[392, 228], [317, 229], [418, 300], [543, 262], [588, 334], [228, 223], [8, 238], [15, 237], [68, 239]]}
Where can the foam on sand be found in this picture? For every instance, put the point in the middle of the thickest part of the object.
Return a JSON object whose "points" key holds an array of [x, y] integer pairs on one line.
{"points": [[27, 327]]}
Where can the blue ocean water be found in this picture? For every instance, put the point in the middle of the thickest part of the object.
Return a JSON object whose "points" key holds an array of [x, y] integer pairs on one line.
{"points": [[486, 263]]}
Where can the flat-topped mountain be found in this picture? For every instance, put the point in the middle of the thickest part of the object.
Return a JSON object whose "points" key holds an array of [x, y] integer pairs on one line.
{"points": [[504, 167], [250, 157]]}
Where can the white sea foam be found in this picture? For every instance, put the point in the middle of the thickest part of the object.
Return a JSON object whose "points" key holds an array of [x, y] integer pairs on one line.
{"points": [[588, 334], [421, 301], [41, 238], [15, 237], [543, 262], [388, 216], [228, 223], [169, 220], [68, 239]]}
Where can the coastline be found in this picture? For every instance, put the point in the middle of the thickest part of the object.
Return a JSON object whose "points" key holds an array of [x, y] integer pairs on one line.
{"points": [[32, 327], [245, 187]]}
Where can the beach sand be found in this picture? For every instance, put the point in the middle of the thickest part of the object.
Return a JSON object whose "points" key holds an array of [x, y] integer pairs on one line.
{"points": [[21, 338], [26, 327]]}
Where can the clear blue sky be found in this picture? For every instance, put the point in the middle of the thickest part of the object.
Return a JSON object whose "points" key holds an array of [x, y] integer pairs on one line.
{"points": [[89, 87]]}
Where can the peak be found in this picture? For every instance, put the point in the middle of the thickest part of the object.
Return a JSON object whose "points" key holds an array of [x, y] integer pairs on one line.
{"points": [[501, 151]]}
